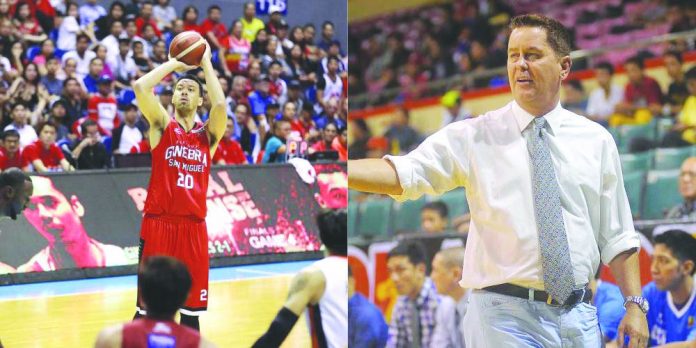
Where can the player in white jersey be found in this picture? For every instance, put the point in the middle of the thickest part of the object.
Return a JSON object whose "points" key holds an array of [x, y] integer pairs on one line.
{"points": [[321, 289]]}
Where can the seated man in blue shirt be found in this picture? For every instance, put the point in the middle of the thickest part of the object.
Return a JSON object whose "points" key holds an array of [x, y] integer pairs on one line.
{"points": [[259, 100], [671, 293], [274, 151], [366, 325]]}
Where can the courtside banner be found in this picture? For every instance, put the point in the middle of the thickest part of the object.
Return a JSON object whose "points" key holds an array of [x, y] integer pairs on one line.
{"points": [[92, 219]]}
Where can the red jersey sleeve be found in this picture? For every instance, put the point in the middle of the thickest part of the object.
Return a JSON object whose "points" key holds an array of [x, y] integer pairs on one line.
{"points": [[57, 153], [30, 154]]}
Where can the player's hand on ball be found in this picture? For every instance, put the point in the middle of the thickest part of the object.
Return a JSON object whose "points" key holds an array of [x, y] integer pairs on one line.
{"points": [[179, 66]]}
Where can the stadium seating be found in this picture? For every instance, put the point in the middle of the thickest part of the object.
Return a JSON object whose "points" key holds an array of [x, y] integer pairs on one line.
{"points": [[634, 184], [406, 215], [672, 158], [632, 162], [352, 218], [661, 193], [373, 218]]}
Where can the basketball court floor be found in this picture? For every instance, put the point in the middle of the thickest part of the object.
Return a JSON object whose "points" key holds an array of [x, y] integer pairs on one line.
{"points": [[243, 301]]}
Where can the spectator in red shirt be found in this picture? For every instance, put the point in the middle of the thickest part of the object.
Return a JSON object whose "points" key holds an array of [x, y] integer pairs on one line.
{"points": [[235, 51], [328, 134], [229, 151], [44, 155], [146, 18], [102, 107], [642, 97], [212, 29], [190, 17], [340, 144], [11, 154]]}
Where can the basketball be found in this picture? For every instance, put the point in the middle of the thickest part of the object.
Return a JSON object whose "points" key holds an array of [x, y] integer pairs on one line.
{"points": [[188, 47]]}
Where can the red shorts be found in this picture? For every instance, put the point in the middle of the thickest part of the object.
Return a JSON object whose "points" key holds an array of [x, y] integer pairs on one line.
{"points": [[185, 239]]}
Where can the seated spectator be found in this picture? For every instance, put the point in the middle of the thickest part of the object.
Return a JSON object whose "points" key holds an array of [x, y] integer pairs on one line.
{"points": [[259, 46], [575, 99], [149, 39], [238, 93], [642, 97], [454, 107], [259, 100], [212, 29], [361, 137], [334, 51], [104, 24], [305, 124], [289, 114], [418, 298], [190, 17], [366, 326], [28, 27], [27, 134], [74, 103], [271, 55], [69, 29], [671, 293], [165, 14], [96, 66], [144, 18], [677, 91], [164, 286], [111, 41], [228, 150], [274, 22], [83, 57], [89, 152], [50, 80], [142, 61], [603, 99], [609, 303], [58, 116], [278, 89], [328, 134], [434, 217], [165, 97], [101, 52], [402, 137], [330, 113], [44, 155], [90, 12], [10, 153], [47, 52], [123, 65], [297, 63], [132, 31], [249, 137], [129, 133], [177, 28], [683, 133], [250, 23], [29, 90], [327, 37], [687, 188], [340, 144], [446, 273], [102, 107], [329, 85], [275, 149]]}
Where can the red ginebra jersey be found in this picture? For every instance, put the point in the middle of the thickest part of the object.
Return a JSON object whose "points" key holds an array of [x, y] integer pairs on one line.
{"points": [[180, 170], [147, 332]]}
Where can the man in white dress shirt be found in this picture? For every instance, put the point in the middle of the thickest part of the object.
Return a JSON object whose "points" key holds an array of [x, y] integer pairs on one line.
{"points": [[547, 204]]}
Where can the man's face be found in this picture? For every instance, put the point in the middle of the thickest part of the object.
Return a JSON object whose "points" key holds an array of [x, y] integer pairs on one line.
{"points": [[673, 66], [329, 133], [52, 66], [249, 10], [82, 44], [443, 276], [215, 15], [432, 222], [123, 48], [11, 144], [19, 114], [92, 132], [48, 135], [666, 269], [96, 67], [130, 116], [187, 95], [73, 87], [406, 276], [131, 29], [309, 34], [238, 85], [105, 88], [275, 71], [603, 77], [328, 31], [241, 113], [289, 111], [52, 214], [635, 74], [534, 71], [116, 29], [283, 130], [229, 128], [332, 65], [687, 179], [58, 111], [254, 70], [224, 85], [178, 26], [146, 11]]}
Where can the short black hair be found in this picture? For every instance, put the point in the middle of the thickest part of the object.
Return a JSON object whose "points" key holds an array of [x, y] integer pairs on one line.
{"points": [[606, 66], [681, 244], [330, 58], [333, 225], [13, 177], [124, 40], [18, 103], [439, 206], [10, 133], [323, 25], [411, 249], [635, 60], [275, 62], [214, 7], [193, 78], [87, 123], [676, 54], [82, 36], [164, 285], [45, 124], [310, 25], [557, 34], [575, 84]]}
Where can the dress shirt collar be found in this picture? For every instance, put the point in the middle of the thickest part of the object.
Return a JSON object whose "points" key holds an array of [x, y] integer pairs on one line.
{"points": [[523, 118]]}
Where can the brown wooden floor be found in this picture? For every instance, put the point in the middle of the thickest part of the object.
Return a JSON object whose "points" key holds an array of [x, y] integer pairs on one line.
{"points": [[239, 312]]}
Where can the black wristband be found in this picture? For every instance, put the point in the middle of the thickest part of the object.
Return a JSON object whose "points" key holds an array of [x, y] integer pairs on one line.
{"points": [[279, 329]]}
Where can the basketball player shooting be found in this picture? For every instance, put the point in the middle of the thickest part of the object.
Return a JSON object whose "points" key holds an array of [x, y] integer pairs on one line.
{"points": [[182, 149]]}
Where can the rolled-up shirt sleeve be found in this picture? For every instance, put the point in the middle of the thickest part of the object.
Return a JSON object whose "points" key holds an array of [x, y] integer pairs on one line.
{"points": [[616, 233], [437, 165]]}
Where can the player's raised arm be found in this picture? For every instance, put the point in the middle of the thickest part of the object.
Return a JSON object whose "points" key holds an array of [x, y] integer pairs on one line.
{"points": [[148, 103], [217, 121]]}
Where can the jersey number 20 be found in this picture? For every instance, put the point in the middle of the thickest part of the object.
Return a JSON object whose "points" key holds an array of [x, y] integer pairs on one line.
{"points": [[185, 181]]}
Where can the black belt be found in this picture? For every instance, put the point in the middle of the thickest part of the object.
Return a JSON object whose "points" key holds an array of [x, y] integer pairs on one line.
{"points": [[577, 296]]}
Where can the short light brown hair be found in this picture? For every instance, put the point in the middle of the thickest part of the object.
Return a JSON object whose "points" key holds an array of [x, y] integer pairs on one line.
{"points": [[557, 35]]}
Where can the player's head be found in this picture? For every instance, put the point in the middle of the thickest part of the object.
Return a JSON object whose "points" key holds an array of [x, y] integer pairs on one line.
{"points": [[164, 285], [447, 269], [538, 59], [15, 189], [687, 179], [52, 214], [332, 231], [673, 259], [434, 217], [188, 94], [406, 264]]}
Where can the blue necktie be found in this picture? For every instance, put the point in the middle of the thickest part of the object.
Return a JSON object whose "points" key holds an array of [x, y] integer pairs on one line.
{"points": [[553, 243]]}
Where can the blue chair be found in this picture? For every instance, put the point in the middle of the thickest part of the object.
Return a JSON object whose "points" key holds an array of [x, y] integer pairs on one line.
{"points": [[661, 193]]}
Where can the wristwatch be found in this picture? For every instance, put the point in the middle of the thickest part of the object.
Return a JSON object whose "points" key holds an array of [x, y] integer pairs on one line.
{"points": [[640, 301]]}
